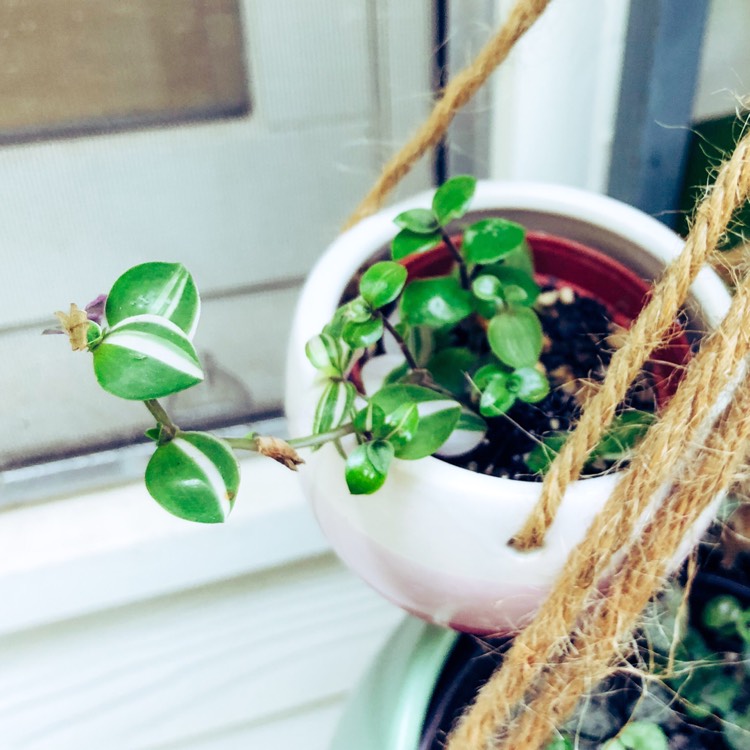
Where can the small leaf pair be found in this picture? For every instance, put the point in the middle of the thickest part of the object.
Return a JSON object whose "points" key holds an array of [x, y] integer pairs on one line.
{"points": [[358, 323], [146, 352], [421, 227], [404, 421], [499, 389]]}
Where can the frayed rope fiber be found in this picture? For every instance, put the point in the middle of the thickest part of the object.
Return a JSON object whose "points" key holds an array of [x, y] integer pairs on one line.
{"points": [[667, 443], [458, 92], [638, 579], [649, 330]]}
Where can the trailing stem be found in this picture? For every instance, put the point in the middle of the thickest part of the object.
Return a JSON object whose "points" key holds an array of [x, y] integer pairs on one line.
{"points": [[462, 270], [408, 356], [161, 416]]}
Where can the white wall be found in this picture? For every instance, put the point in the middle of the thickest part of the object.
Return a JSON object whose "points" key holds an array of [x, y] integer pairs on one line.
{"points": [[724, 79], [555, 97]]}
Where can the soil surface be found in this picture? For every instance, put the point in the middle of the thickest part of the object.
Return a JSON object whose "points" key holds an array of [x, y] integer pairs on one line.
{"points": [[580, 339]]}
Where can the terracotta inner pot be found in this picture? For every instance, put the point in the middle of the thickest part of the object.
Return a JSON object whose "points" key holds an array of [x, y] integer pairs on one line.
{"points": [[589, 273]]}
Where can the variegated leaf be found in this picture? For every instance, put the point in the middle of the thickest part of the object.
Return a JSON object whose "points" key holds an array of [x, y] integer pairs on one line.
{"points": [[328, 354], [163, 289], [335, 406], [195, 476], [146, 357]]}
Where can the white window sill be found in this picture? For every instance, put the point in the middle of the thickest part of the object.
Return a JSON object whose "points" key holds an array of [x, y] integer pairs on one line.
{"points": [[112, 547]]}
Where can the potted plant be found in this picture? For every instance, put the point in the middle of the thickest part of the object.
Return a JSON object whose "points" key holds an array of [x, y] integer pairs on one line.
{"points": [[685, 686], [434, 538], [435, 350]]}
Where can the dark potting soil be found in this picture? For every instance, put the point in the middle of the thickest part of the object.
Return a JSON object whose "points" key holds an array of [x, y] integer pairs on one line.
{"points": [[580, 339]]}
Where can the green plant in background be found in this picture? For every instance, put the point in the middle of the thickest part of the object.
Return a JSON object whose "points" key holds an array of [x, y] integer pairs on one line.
{"points": [[696, 683], [711, 668], [470, 342]]}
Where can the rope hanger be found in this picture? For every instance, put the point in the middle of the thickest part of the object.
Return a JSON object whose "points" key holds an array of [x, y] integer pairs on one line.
{"points": [[571, 642]]}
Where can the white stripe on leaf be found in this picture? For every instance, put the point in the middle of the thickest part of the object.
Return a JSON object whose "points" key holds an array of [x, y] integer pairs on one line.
{"points": [[210, 471], [156, 348]]}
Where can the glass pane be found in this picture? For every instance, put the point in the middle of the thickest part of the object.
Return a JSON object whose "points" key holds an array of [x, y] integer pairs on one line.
{"points": [[83, 65]]}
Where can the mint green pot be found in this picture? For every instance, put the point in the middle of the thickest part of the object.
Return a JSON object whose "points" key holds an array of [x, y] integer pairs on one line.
{"points": [[388, 708]]}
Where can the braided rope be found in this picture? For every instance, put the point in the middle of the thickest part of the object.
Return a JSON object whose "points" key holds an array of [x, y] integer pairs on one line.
{"points": [[679, 428], [639, 578], [649, 330]]}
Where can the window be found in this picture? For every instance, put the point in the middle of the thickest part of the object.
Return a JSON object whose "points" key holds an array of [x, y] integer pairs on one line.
{"points": [[82, 66], [247, 201]]}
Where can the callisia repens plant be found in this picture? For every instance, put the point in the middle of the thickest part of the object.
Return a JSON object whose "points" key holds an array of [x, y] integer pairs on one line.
{"points": [[408, 367]]}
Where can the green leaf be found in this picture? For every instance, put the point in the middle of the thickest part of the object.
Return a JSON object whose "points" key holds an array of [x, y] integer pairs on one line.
{"points": [[529, 384], [543, 454], [367, 467], [146, 357], [560, 743], [418, 220], [356, 311], [397, 373], [515, 295], [496, 397], [93, 335], [327, 354], [336, 404], [369, 420], [449, 368], [153, 433], [626, 430], [451, 200], [400, 427], [438, 416], [520, 259], [195, 476], [407, 243], [513, 277], [515, 337], [722, 613], [420, 340], [382, 283], [163, 289], [361, 335], [487, 288], [488, 240], [639, 735], [435, 302], [470, 422], [486, 373]]}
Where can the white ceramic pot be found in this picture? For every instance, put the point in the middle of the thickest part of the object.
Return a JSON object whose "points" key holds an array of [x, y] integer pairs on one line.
{"points": [[434, 539]]}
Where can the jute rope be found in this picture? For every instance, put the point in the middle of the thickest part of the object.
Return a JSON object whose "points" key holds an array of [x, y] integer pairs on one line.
{"points": [[639, 578], [648, 331], [458, 92], [673, 436]]}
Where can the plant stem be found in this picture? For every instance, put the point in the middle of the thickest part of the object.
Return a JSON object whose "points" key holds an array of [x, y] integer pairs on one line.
{"points": [[310, 441], [462, 270], [160, 415], [408, 356]]}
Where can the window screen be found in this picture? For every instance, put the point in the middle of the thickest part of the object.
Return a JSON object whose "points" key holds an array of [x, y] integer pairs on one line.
{"points": [[84, 65]]}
